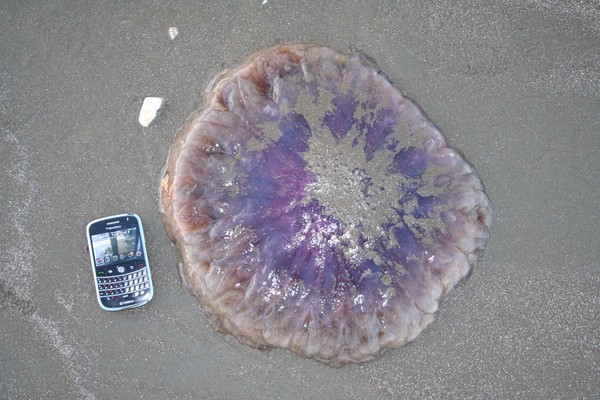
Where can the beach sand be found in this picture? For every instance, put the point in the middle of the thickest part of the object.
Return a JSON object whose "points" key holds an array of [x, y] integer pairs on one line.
{"points": [[514, 85]]}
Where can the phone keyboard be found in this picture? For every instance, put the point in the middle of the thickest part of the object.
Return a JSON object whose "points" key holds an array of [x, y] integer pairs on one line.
{"points": [[131, 284]]}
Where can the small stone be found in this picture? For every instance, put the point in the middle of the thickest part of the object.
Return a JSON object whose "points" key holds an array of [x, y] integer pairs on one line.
{"points": [[149, 109], [173, 32]]}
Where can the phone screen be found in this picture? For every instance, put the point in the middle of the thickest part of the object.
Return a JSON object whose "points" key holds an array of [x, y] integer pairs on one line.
{"points": [[117, 246]]}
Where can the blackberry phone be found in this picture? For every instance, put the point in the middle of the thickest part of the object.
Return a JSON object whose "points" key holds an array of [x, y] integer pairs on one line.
{"points": [[120, 262]]}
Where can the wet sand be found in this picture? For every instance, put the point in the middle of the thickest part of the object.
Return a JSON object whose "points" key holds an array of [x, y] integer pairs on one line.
{"points": [[514, 85]]}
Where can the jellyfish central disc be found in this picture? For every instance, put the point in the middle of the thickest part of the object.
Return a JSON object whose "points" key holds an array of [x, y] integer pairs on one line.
{"points": [[354, 191]]}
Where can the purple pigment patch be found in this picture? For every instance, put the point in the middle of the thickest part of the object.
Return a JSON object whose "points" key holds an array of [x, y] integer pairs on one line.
{"points": [[317, 209]]}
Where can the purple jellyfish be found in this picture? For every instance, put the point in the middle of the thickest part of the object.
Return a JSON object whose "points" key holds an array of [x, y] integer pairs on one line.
{"points": [[316, 208]]}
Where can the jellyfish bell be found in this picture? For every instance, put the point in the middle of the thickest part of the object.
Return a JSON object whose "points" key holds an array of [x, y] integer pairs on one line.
{"points": [[316, 208]]}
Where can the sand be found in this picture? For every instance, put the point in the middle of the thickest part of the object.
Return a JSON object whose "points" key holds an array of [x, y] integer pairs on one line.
{"points": [[514, 85]]}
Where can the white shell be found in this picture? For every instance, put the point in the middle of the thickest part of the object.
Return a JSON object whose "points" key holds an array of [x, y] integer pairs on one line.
{"points": [[149, 109], [173, 32]]}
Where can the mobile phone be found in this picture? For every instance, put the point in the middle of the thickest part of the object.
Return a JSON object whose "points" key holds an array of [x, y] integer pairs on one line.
{"points": [[120, 263]]}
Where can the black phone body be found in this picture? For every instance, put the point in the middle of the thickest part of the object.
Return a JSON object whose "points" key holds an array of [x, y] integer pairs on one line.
{"points": [[120, 263]]}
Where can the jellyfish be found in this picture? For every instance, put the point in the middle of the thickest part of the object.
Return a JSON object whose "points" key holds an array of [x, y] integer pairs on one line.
{"points": [[316, 208]]}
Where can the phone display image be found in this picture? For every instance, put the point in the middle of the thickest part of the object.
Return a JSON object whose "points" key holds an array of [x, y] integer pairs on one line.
{"points": [[115, 246], [119, 261]]}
